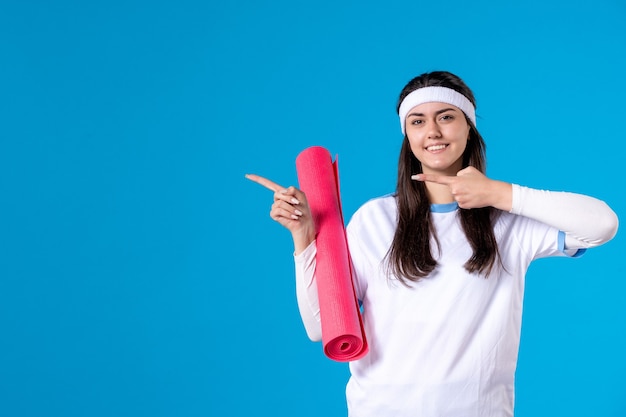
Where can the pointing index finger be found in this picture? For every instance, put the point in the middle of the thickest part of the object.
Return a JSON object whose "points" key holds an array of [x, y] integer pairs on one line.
{"points": [[439, 179], [270, 185]]}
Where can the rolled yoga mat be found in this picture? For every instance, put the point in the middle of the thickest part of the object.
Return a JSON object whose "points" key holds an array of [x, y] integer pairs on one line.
{"points": [[343, 337]]}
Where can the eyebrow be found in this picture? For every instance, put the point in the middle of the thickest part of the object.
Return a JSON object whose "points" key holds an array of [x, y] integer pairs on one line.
{"points": [[438, 112]]}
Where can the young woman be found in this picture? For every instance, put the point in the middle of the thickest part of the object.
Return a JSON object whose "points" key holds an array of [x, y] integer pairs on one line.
{"points": [[439, 266]]}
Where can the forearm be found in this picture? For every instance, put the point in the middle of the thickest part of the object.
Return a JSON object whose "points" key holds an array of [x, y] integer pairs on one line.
{"points": [[302, 238], [586, 221], [501, 195], [306, 292]]}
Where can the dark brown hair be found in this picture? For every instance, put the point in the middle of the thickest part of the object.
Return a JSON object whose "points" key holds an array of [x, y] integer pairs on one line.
{"points": [[410, 256]]}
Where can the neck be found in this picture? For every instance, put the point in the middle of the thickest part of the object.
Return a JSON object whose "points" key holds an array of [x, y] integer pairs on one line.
{"points": [[439, 193]]}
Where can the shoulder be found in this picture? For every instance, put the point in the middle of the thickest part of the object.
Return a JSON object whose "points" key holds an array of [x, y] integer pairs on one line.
{"points": [[508, 224], [371, 230], [519, 233], [384, 207], [374, 220]]}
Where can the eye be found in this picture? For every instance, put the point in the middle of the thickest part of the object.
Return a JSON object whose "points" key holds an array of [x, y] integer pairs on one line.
{"points": [[416, 122], [447, 117]]}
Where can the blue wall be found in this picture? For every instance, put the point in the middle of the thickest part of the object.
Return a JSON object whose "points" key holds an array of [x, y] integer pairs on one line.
{"points": [[140, 273]]}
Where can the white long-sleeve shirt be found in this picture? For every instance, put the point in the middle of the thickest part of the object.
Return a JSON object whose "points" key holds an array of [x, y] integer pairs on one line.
{"points": [[448, 345]]}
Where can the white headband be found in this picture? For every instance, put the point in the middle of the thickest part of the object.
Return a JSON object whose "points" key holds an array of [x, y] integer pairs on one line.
{"points": [[439, 94]]}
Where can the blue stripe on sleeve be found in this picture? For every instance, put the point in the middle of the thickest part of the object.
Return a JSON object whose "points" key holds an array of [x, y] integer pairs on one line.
{"points": [[579, 252]]}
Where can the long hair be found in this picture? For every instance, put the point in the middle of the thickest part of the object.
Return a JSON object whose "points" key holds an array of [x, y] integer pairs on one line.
{"points": [[410, 256]]}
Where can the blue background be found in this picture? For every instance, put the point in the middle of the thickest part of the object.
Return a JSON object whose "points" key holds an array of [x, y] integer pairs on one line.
{"points": [[140, 273]]}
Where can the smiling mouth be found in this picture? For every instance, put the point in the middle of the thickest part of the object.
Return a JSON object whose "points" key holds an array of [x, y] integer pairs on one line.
{"points": [[434, 148]]}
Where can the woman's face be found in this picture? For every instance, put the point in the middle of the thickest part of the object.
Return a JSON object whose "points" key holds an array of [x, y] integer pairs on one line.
{"points": [[438, 134]]}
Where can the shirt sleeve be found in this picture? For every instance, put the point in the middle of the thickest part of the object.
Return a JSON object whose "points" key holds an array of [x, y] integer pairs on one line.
{"points": [[584, 221], [306, 292], [533, 238]]}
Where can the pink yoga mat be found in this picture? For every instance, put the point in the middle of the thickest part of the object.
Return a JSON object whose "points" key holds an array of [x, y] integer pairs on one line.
{"points": [[343, 337]]}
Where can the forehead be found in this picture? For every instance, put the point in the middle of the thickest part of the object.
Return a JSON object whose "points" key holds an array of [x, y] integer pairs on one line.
{"points": [[431, 107]]}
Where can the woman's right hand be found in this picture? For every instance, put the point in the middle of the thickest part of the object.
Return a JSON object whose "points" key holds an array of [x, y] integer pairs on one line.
{"points": [[291, 210]]}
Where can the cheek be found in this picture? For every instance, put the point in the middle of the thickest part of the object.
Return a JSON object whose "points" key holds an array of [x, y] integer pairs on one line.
{"points": [[415, 141], [416, 150]]}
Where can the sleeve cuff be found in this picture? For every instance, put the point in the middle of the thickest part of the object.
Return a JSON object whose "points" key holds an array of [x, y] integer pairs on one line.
{"points": [[307, 254], [516, 204], [573, 253]]}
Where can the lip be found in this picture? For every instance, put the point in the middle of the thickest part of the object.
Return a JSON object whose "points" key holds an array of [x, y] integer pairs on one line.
{"points": [[438, 147]]}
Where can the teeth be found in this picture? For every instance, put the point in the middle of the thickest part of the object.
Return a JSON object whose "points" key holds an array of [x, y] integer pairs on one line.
{"points": [[436, 147]]}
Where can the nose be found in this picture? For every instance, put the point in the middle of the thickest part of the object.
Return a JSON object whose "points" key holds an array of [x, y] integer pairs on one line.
{"points": [[433, 130]]}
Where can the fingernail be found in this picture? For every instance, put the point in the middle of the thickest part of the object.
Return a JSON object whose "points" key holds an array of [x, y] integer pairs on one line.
{"points": [[293, 216], [283, 191], [298, 212], [295, 201], [415, 177]]}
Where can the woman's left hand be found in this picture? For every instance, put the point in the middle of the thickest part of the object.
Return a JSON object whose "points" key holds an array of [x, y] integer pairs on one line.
{"points": [[472, 189]]}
